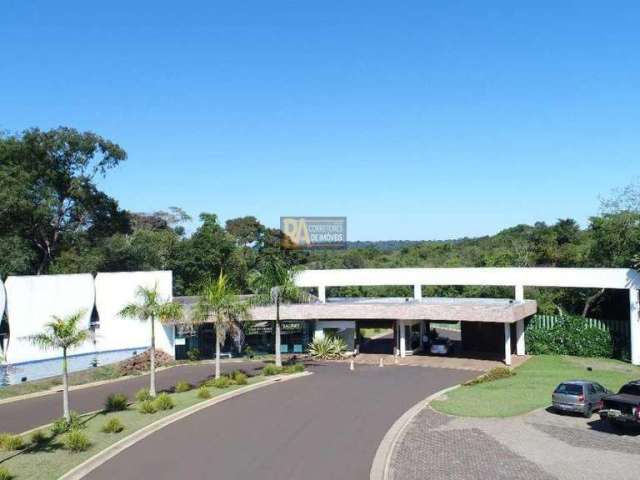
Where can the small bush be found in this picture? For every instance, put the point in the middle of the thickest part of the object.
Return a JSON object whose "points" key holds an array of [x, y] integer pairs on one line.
{"points": [[164, 402], [143, 395], [203, 392], [116, 402], [4, 474], [222, 382], [12, 442], [294, 368], [239, 378], [39, 438], [271, 370], [76, 441], [3, 438], [492, 375], [61, 425], [183, 386], [193, 354], [147, 406], [113, 425]]}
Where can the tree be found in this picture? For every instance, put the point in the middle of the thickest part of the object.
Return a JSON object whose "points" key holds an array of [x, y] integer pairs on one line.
{"points": [[62, 333], [247, 231], [152, 307], [219, 304], [47, 190], [273, 284]]}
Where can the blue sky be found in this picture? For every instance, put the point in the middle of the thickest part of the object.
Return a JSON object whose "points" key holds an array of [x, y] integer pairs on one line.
{"points": [[416, 120]]}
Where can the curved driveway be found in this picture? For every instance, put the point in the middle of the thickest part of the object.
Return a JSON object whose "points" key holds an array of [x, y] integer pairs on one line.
{"points": [[324, 426]]}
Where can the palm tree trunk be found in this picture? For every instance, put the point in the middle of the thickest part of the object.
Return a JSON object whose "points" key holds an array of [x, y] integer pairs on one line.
{"points": [[152, 357], [217, 355], [65, 387], [277, 335]]}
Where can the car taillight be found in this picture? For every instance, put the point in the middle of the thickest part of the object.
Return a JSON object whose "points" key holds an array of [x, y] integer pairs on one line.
{"points": [[637, 412], [581, 398]]}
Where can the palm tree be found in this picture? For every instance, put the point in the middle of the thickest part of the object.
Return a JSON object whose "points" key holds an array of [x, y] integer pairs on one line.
{"points": [[151, 306], [219, 304], [62, 333], [274, 285]]}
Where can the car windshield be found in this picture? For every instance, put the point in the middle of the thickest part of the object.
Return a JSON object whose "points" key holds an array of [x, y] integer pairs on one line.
{"points": [[630, 389], [569, 389]]}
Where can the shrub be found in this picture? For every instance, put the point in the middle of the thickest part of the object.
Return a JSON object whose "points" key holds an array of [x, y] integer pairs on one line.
{"points": [[239, 378], [271, 369], [76, 441], [294, 368], [4, 474], [3, 438], [328, 348], [147, 406], [143, 395], [183, 386], [492, 375], [113, 425], [61, 425], [116, 402], [248, 352], [11, 442], [193, 354], [39, 438], [222, 382], [203, 392], [164, 402], [570, 336]]}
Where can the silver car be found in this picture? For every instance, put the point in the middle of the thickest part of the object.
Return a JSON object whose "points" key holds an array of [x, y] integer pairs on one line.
{"points": [[579, 396]]}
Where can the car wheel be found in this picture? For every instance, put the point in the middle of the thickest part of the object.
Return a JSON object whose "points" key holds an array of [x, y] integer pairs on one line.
{"points": [[588, 412]]}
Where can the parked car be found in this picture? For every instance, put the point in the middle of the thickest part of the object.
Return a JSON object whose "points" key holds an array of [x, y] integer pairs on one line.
{"points": [[623, 408], [579, 396], [440, 346]]}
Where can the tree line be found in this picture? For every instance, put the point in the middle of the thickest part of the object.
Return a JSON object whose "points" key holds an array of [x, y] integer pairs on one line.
{"points": [[55, 219]]}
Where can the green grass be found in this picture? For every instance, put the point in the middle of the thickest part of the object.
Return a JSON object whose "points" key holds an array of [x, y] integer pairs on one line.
{"points": [[372, 332], [532, 386], [50, 460]]}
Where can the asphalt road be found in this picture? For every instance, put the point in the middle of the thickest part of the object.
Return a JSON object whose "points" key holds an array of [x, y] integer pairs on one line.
{"points": [[324, 426], [23, 415]]}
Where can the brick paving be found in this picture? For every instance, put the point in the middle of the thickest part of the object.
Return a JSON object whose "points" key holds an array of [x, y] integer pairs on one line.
{"points": [[540, 445]]}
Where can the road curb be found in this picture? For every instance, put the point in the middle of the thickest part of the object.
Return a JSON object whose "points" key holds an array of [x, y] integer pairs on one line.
{"points": [[382, 459], [100, 458]]}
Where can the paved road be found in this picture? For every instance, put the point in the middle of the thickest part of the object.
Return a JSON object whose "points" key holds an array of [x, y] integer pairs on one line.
{"points": [[325, 426], [23, 415]]}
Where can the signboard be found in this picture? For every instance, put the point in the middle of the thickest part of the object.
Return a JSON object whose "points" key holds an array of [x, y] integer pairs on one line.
{"points": [[314, 232]]}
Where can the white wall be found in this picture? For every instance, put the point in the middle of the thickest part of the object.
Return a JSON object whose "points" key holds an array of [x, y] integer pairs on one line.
{"points": [[113, 292], [32, 300]]}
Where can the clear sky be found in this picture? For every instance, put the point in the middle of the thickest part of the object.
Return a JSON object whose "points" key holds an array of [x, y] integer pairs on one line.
{"points": [[416, 120]]}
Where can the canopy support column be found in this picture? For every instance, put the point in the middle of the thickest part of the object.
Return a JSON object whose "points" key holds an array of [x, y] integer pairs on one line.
{"points": [[507, 344], [635, 326]]}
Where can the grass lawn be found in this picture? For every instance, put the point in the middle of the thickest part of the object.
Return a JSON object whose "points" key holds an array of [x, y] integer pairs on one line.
{"points": [[532, 386], [52, 460]]}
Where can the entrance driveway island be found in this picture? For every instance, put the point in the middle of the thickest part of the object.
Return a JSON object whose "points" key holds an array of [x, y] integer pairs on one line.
{"points": [[326, 425]]}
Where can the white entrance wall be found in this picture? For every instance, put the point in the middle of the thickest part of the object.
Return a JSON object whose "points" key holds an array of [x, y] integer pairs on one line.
{"points": [[614, 278]]}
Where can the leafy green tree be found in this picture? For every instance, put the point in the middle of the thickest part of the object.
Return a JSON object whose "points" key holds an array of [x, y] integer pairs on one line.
{"points": [[65, 334], [274, 284], [47, 190], [219, 304], [149, 308]]}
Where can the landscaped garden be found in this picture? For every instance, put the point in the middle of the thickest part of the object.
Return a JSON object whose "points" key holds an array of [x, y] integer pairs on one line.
{"points": [[50, 452], [532, 385]]}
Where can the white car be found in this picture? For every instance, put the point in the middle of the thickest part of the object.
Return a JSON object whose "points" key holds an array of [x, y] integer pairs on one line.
{"points": [[440, 346]]}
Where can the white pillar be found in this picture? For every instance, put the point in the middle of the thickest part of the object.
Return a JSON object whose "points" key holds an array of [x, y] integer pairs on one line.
{"points": [[519, 293], [403, 347], [422, 334], [635, 326], [520, 347], [520, 350], [507, 344], [322, 295], [417, 292], [318, 333]]}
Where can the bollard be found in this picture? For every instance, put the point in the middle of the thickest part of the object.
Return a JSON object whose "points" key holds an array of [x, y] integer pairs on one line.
{"points": [[395, 360], [352, 365], [381, 364]]}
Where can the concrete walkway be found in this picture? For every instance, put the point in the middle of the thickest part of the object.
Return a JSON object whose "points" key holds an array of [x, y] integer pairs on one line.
{"points": [[327, 425], [537, 446], [23, 415]]}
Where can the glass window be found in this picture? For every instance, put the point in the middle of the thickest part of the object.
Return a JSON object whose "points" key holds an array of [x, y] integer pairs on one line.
{"points": [[569, 389]]}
